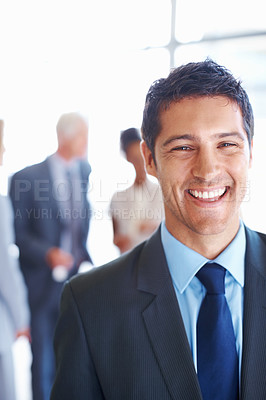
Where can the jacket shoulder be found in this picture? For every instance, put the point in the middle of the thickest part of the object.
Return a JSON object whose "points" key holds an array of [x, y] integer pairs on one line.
{"points": [[254, 236], [31, 170], [262, 236], [256, 250], [108, 276]]}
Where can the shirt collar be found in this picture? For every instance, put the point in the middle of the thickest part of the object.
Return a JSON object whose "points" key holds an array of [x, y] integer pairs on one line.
{"points": [[59, 162], [184, 262]]}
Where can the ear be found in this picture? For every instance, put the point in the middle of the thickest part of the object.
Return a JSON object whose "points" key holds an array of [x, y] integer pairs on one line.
{"points": [[148, 158], [251, 154]]}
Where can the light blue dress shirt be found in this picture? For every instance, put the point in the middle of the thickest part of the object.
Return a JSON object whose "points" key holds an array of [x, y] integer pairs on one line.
{"points": [[184, 263]]}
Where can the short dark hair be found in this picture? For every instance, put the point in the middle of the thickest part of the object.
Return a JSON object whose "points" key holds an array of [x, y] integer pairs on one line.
{"points": [[205, 78], [128, 137]]}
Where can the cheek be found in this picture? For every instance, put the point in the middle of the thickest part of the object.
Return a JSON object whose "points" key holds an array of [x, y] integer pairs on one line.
{"points": [[81, 146], [240, 169], [239, 174], [170, 184]]}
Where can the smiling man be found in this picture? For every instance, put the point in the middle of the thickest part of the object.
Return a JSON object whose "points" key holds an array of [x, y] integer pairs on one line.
{"points": [[201, 158], [183, 315]]}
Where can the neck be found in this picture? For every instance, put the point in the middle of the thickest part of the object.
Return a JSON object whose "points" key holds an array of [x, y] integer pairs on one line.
{"points": [[139, 181], [208, 245], [63, 153]]}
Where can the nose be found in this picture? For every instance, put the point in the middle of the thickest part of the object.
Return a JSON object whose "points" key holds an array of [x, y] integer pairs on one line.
{"points": [[206, 164]]}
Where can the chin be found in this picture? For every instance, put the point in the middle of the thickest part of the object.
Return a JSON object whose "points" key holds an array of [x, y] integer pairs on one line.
{"points": [[213, 226]]}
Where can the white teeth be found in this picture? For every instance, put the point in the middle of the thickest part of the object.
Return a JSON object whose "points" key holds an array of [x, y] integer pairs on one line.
{"points": [[208, 195]]}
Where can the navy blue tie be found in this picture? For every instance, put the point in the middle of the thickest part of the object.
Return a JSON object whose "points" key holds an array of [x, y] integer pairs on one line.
{"points": [[217, 360]]}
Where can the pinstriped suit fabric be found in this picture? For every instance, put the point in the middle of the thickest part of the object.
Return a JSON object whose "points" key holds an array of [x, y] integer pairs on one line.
{"points": [[120, 335]]}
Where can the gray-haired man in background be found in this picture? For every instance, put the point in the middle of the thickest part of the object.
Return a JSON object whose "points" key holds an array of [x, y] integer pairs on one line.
{"points": [[51, 225]]}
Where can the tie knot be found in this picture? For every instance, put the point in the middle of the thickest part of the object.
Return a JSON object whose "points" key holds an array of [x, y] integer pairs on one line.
{"points": [[212, 276]]}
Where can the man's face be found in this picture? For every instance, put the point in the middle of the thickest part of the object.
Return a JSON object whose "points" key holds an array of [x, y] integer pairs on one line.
{"points": [[202, 159], [78, 144]]}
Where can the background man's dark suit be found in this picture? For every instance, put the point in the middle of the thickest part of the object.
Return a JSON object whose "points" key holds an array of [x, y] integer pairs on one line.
{"points": [[121, 329], [38, 227]]}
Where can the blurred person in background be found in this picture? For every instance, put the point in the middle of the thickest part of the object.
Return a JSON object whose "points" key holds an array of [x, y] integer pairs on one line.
{"points": [[138, 210], [52, 216], [14, 309]]}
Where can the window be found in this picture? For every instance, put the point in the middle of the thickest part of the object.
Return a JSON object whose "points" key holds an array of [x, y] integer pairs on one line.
{"points": [[100, 57]]}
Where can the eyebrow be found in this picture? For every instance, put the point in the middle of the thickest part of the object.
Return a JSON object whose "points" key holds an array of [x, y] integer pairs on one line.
{"points": [[196, 138]]}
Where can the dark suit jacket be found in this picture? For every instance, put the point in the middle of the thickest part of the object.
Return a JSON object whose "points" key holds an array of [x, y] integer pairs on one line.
{"points": [[38, 227], [120, 335]]}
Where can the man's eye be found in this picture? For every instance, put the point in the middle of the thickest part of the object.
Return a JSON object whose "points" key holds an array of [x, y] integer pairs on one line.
{"points": [[181, 148], [228, 145]]}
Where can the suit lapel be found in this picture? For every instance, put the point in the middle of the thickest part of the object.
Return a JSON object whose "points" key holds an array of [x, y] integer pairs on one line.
{"points": [[253, 379], [52, 193], [164, 324]]}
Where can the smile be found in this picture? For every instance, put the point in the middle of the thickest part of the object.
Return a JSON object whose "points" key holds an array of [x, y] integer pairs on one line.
{"points": [[210, 195]]}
